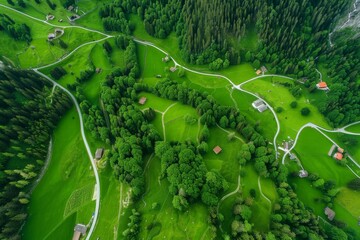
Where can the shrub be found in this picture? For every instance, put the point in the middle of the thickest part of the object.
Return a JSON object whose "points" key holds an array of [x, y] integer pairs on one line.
{"points": [[293, 104], [305, 111]]}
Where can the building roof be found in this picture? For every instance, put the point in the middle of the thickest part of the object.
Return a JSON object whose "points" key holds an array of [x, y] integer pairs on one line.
{"points": [[322, 85], [263, 69], [258, 72], [98, 70], [217, 150], [262, 108], [338, 156], [99, 153], [303, 173], [80, 228], [329, 213], [340, 150], [173, 69], [51, 36], [142, 100], [257, 103]]}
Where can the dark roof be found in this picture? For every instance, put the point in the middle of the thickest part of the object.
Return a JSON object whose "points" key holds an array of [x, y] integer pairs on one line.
{"points": [[262, 108], [80, 228], [99, 153]]}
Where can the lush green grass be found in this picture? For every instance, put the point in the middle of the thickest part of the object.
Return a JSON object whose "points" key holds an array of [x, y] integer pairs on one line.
{"points": [[40, 52], [176, 127], [312, 149], [269, 189], [261, 207], [68, 170], [354, 128], [226, 159], [167, 222], [278, 96], [239, 73]]}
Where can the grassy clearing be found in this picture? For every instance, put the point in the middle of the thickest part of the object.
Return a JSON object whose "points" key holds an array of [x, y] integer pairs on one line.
{"points": [[155, 102], [278, 96], [68, 170], [269, 189], [167, 222], [150, 60], [312, 149], [261, 207], [225, 161], [239, 73], [176, 126]]}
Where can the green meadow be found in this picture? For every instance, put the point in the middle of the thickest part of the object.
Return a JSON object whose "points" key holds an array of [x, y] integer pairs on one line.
{"points": [[312, 149], [69, 170]]}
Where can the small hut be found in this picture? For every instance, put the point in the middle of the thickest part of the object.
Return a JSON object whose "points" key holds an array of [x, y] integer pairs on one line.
{"points": [[217, 150]]}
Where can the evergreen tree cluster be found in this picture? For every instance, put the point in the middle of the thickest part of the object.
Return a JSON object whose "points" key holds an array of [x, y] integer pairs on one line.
{"points": [[27, 119], [17, 31]]}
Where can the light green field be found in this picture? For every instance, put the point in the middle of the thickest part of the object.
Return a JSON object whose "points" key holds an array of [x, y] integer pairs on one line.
{"points": [[277, 95], [69, 169]]}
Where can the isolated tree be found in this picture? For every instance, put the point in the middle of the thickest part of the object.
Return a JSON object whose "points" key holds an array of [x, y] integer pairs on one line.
{"points": [[305, 111], [293, 104]]}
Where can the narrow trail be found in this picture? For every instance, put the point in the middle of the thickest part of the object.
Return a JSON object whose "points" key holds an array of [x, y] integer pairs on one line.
{"points": [[45, 167], [163, 119], [262, 194], [228, 132]]}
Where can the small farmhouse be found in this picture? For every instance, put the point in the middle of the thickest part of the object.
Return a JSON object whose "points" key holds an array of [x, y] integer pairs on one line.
{"points": [[217, 150], [142, 100], [79, 230], [99, 153], [329, 213]]}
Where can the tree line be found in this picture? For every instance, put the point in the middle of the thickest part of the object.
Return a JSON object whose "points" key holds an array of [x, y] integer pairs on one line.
{"points": [[18, 31]]}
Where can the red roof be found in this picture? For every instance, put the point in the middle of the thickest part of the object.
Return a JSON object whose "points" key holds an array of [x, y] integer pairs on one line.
{"points": [[217, 150], [338, 156], [322, 85]]}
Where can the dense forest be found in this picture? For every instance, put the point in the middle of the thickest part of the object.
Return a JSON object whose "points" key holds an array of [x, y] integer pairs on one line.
{"points": [[291, 38], [27, 120]]}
